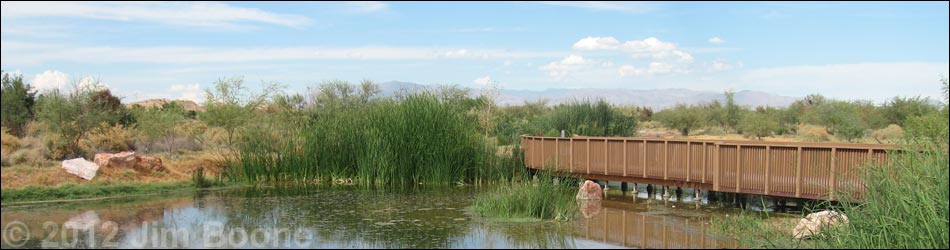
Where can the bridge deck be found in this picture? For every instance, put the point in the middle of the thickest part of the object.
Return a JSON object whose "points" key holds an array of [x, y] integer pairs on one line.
{"points": [[785, 169]]}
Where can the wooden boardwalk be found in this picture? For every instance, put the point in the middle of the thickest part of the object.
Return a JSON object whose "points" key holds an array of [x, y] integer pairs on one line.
{"points": [[782, 169]]}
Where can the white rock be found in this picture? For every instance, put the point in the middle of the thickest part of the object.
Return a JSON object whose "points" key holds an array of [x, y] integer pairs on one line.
{"points": [[814, 222], [81, 167]]}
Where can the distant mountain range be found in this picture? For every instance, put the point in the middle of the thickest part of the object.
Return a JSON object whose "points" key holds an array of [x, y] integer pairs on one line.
{"points": [[657, 99]]}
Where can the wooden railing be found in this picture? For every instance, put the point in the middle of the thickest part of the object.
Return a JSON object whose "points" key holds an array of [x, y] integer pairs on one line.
{"points": [[785, 169], [644, 231]]}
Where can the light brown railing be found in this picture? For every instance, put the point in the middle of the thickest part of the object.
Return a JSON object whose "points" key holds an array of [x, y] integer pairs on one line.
{"points": [[785, 169], [643, 231]]}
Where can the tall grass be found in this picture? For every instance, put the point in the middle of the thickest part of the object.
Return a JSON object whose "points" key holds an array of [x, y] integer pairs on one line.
{"points": [[906, 205], [542, 199], [419, 139]]}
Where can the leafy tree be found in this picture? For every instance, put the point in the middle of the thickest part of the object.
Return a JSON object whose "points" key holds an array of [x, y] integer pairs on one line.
{"points": [[841, 118], [898, 110], [229, 105], [72, 115], [17, 103], [733, 112], [759, 124], [682, 118], [335, 94], [159, 123]]}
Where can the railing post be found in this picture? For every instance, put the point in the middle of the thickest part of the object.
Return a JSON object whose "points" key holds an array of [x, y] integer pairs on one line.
{"points": [[738, 167], [644, 158], [625, 161], [543, 157], [557, 153], [834, 173], [588, 155], [689, 160], [606, 156], [572, 154], [666, 159], [798, 175], [768, 169], [717, 173], [705, 161]]}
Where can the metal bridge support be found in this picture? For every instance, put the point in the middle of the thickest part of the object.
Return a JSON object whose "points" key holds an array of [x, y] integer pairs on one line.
{"points": [[698, 196], [666, 193]]}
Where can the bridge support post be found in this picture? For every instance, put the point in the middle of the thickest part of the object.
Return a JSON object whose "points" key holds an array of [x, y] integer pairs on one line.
{"points": [[635, 190], [623, 188], [697, 198], [606, 187], [679, 194], [650, 191], [666, 193]]}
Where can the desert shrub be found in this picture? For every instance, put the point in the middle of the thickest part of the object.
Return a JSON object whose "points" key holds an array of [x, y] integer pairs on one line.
{"points": [[229, 105], [899, 110], [842, 119], [813, 133], [682, 118], [758, 124], [9, 141], [891, 134], [587, 118], [70, 116], [107, 138], [17, 100], [930, 127]]}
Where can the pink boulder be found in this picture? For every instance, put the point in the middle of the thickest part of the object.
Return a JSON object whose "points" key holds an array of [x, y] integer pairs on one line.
{"points": [[590, 191], [147, 163], [117, 160]]}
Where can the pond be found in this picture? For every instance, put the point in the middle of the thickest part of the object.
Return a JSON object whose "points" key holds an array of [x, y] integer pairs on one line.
{"points": [[347, 217]]}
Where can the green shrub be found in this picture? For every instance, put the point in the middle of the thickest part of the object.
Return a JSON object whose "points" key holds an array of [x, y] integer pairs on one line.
{"points": [[590, 119], [890, 134], [758, 124], [70, 117], [682, 118], [17, 100]]}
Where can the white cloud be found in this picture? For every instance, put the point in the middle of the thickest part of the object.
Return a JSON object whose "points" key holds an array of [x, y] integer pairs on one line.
{"points": [[655, 68], [483, 81], [722, 65], [604, 5], [205, 14], [716, 40], [27, 53], [877, 81], [597, 43], [191, 92], [561, 70], [656, 49], [50, 80], [367, 6]]}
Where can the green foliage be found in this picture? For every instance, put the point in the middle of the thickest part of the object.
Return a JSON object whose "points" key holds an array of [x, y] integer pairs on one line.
{"points": [[71, 116], [682, 118], [423, 138], [758, 124], [229, 105], [543, 199], [17, 103], [932, 127], [732, 110], [340, 94], [159, 124], [899, 110], [841, 118], [590, 119]]}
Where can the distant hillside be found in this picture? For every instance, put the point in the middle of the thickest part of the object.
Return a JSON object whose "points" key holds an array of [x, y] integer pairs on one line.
{"points": [[152, 103], [656, 99]]}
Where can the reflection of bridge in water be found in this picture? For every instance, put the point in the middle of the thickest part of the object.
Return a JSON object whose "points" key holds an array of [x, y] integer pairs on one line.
{"points": [[781, 169], [649, 231]]}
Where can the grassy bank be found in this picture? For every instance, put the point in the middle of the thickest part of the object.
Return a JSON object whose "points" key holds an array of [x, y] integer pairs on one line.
{"points": [[906, 205], [85, 191], [528, 199]]}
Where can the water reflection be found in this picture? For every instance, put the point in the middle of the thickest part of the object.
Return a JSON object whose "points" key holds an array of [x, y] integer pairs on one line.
{"points": [[342, 217]]}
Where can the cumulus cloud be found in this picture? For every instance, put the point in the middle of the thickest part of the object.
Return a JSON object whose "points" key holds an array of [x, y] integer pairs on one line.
{"points": [[50, 80], [597, 43], [716, 40], [655, 68], [561, 70]]}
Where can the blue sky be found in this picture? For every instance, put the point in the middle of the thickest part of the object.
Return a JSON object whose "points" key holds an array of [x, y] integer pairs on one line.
{"points": [[848, 50]]}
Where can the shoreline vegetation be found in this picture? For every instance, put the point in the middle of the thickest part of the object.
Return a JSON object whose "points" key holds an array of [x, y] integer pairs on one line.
{"points": [[343, 133]]}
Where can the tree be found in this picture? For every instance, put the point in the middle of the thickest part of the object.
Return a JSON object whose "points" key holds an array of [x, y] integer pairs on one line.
{"points": [[229, 105], [898, 110], [841, 118], [733, 112], [17, 103], [159, 123], [72, 115], [758, 124], [682, 118]]}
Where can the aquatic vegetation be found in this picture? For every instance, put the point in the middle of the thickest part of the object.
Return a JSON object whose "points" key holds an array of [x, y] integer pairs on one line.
{"points": [[83, 191], [544, 199], [419, 139]]}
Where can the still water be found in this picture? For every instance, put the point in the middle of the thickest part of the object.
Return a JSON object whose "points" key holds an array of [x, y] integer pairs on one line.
{"points": [[347, 217]]}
